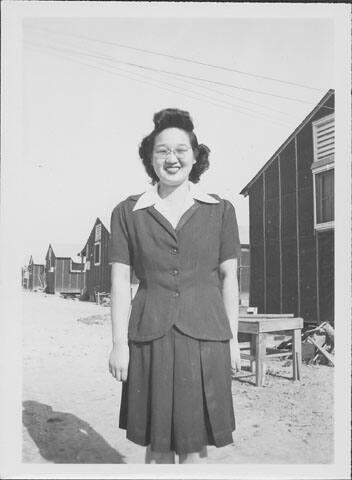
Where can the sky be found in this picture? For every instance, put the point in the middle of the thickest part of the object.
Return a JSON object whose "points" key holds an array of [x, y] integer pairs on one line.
{"points": [[90, 93]]}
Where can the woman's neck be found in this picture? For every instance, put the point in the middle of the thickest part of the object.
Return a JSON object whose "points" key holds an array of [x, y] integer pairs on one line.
{"points": [[173, 193]]}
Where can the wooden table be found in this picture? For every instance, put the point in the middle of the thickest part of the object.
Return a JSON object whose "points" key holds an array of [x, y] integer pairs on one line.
{"points": [[258, 325]]}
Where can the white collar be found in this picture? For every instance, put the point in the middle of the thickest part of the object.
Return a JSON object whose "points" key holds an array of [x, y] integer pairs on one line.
{"points": [[151, 197]]}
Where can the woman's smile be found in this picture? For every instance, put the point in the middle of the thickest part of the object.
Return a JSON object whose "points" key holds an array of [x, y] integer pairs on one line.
{"points": [[173, 157], [172, 169]]}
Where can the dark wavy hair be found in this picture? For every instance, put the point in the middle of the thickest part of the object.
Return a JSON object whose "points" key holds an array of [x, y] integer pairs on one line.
{"points": [[174, 118]]}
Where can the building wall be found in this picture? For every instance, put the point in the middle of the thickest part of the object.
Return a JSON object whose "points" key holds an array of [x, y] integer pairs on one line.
{"points": [[289, 258], [36, 277], [306, 251], [30, 277], [49, 275], [98, 277], [25, 277], [66, 281], [325, 255], [272, 238], [291, 264], [256, 232]]}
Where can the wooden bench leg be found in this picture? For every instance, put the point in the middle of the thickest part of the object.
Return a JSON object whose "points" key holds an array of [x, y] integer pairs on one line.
{"points": [[296, 354], [252, 352], [260, 358]]}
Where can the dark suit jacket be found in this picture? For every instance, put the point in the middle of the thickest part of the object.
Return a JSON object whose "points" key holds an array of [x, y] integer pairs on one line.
{"points": [[178, 268]]}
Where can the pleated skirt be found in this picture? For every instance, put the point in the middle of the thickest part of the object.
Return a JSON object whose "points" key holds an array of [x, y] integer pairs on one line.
{"points": [[178, 394]]}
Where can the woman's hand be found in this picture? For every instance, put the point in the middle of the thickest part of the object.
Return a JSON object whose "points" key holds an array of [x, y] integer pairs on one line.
{"points": [[235, 356], [118, 361]]}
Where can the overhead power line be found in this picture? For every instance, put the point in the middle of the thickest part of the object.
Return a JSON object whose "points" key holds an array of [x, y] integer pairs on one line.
{"points": [[183, 59], [181, 75], [198, 85], [203, 98], [225, 94], [194, 83]]}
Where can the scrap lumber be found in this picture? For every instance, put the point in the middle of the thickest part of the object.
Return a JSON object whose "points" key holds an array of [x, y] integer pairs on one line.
{"points": [[321, 338], [326, 354], [329, 331]]}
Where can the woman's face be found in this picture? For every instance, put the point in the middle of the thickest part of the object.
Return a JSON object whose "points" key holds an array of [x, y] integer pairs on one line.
{"points": [[172, 156]]}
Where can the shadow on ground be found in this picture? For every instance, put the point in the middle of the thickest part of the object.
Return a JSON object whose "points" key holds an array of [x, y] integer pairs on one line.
{"points": [[64, 438]]}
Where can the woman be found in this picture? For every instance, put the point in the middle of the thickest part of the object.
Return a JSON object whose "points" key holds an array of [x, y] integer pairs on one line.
{"points": [[174, 351]]}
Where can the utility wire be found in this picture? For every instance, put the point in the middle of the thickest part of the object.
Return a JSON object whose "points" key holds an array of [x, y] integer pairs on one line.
{"points": [[183, 59], [212, 100], [131, 78], [217, 92], [189, 83], [213, 82], [181, 92], [244, 109]]}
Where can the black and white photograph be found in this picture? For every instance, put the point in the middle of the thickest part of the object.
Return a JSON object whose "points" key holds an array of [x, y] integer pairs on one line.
{"points": [[175, 240]]}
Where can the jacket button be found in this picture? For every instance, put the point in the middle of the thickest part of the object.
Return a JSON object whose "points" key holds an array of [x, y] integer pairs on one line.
{"points": [[174, 251], [176, 294], [174, 272]]}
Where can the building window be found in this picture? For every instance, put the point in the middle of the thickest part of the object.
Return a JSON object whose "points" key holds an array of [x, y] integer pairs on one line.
{"points": [[324, 197], [98, 232], [324, 138], [97, 253], [323, 171]]}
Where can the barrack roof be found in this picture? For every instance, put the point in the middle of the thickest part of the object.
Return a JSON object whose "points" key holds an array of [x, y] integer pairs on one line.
{"points": [[104, 220], [320, 104], [66, 250], [34, 262]]}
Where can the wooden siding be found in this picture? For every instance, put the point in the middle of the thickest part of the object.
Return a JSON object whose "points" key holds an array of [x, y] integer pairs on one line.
{"points": [[291, 268], [24, 277], [326, 275], [288, 216], [49, 275], [272, 237], [98, 277], [59, 277], [256, 233], [65, 280], [36, 278]]}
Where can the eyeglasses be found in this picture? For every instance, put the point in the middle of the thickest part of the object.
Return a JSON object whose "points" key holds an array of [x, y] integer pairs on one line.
{"points": [[163, 152]]}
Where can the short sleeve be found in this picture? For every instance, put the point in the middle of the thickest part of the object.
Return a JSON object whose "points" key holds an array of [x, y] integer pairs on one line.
{"points": [[230, 246], [120, 250]]}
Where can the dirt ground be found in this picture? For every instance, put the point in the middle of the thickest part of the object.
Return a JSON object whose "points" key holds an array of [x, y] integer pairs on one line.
{"points": [[71, 402]]}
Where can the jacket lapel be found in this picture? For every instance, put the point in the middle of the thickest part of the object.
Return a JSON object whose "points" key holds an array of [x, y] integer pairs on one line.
{"points": [[162, 221], [187, 215]]}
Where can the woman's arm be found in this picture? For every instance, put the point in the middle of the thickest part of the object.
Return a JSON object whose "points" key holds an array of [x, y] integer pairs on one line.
{"points": [[228, 276], [120, 310]]}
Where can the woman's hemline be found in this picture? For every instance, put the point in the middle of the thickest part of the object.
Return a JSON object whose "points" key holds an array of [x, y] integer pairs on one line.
{"points": [[192, 447]]}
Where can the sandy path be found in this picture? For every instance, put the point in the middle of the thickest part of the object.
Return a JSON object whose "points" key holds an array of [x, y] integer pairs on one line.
{"points": [[71, 402]]}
